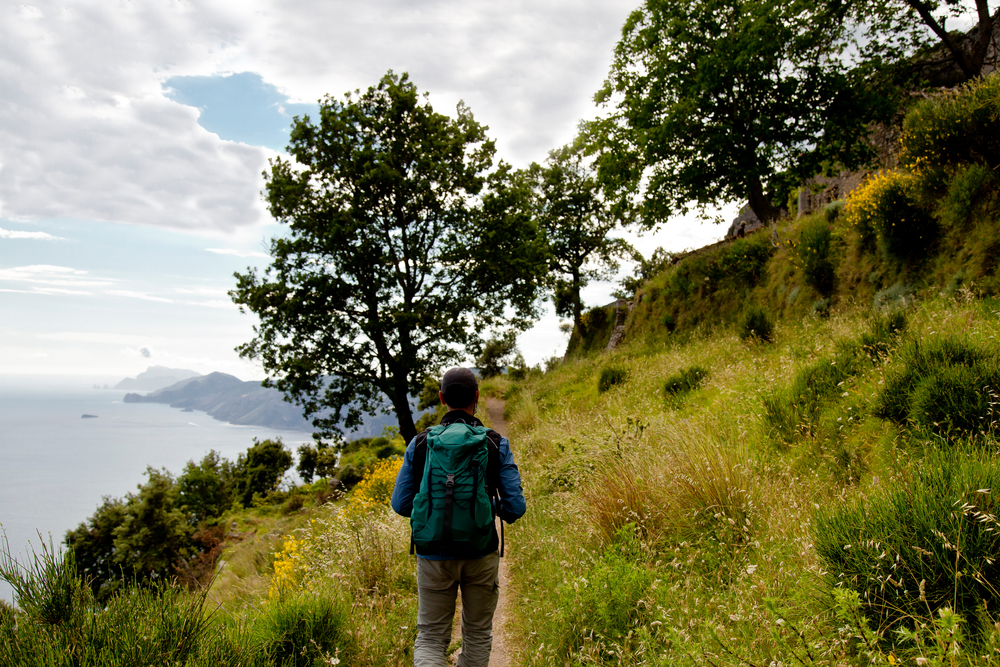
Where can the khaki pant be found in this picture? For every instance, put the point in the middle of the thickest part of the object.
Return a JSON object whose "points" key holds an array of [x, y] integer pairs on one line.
{"points": [[438, 582]]}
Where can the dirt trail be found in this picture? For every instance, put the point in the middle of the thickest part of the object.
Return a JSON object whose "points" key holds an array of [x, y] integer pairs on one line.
{"points": [[499, 657]]}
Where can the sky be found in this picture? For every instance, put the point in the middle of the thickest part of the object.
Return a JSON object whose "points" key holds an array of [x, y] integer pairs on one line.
{"points": [[133, 137]]}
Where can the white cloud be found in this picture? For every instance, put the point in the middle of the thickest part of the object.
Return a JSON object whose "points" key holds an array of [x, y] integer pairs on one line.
{"points": [[52, 276], [238, 253], [132, 294], [85, 120], [100, 338], [40, 236]]}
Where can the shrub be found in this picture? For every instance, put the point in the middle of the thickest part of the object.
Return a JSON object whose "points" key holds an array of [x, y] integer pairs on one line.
{"points": [[833, 210], [969, 189], [610, 377], [896, 296], [886, 206], [607, 606], [685, 381], [813, 252], [756, 324], [917, 547], [304, 630], [943, 384], [954, 129]]}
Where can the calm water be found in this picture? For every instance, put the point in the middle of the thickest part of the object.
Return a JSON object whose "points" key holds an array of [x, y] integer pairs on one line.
{"points": [[55, 466]]}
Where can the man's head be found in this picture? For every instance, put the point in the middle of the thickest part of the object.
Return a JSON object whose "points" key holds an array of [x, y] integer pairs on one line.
{"points": [[459, 388]]}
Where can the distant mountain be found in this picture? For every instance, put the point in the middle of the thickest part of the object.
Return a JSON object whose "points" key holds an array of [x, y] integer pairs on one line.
{"points": [[156, 377], [229, 399]]}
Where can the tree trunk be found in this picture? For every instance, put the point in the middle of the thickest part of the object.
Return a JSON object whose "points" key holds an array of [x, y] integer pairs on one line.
{"points": [[577, 305], [404, 415], [759, 203]]}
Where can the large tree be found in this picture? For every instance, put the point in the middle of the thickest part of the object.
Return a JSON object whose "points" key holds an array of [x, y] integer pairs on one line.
{"points": [[898, 29], [392, 266], [726, 100], [577, 222]]}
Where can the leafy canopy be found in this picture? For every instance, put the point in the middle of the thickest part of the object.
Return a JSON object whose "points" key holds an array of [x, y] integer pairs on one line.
{"points": [[393, 265], [725, 100]]}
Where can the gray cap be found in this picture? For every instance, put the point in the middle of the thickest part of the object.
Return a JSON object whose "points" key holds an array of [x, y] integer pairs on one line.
{"points": [[459, 386]]}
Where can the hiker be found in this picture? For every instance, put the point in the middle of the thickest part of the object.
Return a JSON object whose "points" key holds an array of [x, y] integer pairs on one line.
{"points": [[452, 466]]}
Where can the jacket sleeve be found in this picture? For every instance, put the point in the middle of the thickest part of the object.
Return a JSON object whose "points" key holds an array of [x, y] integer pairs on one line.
{"points": [[512, 505], [406, 484]]}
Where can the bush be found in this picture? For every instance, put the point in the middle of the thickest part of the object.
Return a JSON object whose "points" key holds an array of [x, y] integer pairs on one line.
{"points": [[928, 543], [304, 630], [610, 377], [944, 385], [756, 324], [606, 604], [887, 206], [968, 191], [954, 129], [813, 253], [685, 381]]}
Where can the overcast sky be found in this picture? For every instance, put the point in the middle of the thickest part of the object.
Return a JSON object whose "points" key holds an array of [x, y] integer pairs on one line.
{"points": [[133, 136]]}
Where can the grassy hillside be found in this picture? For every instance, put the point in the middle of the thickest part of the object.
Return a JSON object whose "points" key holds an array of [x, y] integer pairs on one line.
{"points": [[792, 459]]}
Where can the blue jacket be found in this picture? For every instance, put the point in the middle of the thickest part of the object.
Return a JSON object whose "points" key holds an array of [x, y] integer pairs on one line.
{"points": [[512, 504]]}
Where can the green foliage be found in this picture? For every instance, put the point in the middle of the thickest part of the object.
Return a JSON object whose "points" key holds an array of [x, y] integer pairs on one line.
{"points": [[592, 333], [497, 354], [943, 384], [971, 192], [153, 534], [954, 129], [723, 101], [92, 544], [610, 377], [814, 254], [358, 456], [260, 469], [389, 259], [816, 384], [887, 206], [756, 324], [919, 545], [684, 381], [303, 631], [59, 622], [609, 603], [204, 490], [575, 218]]}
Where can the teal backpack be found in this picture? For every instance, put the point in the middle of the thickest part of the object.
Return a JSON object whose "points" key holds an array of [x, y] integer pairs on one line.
{"points": [[453, 508]]}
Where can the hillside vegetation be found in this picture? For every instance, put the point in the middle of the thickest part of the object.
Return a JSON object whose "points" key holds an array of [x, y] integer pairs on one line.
{"points": [[792, 459]]}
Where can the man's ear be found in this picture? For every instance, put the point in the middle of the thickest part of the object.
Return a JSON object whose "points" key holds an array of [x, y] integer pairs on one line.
{"points": [[441, 396]]}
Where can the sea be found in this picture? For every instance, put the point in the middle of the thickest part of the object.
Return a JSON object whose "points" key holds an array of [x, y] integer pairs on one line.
{"points": [[56, 465]]}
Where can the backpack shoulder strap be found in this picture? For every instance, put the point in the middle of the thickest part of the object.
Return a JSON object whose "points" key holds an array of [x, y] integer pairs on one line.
{"points": [[419, 461], [493, 476], [420, 453]]}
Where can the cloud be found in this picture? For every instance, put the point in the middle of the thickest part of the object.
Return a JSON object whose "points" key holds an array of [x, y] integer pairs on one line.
{"points": [[40, 236], [94, 135], [53, 276], [132, 294], [144, 351], [239, 253]]}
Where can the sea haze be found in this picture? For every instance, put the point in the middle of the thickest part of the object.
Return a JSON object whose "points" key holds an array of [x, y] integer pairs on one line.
{"points": [[57, 465]]}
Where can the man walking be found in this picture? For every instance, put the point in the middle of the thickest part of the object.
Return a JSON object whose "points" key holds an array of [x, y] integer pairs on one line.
{"points": [[459, 555]]}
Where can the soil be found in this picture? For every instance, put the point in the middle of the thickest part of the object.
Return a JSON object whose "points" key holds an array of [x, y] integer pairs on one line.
{"points": [[500, 655]]}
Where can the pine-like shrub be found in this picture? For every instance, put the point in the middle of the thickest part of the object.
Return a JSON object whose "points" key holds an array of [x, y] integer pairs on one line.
{"points": [[685, 381], [945, 385], [813, 252], [610, 377], [756, 324], [920, 545], [970, 196]]}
